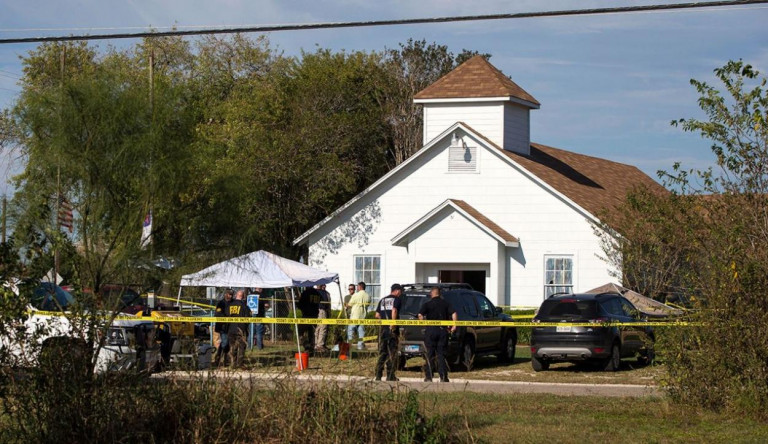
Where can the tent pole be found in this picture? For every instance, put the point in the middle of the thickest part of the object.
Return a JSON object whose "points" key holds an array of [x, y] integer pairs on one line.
{"points": [[274, 315], [298, 342]]}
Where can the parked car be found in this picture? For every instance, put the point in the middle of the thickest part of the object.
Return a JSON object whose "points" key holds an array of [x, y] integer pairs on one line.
{"points": [[603, 344], [42, 334], [466, 342]]}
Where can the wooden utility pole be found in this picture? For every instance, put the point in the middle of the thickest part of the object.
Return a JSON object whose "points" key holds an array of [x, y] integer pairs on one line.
{"points": [[151, 143], [5, 215], [62, 62]]}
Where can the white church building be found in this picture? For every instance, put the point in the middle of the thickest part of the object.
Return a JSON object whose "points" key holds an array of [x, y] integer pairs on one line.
{"points": [[478, 203]]}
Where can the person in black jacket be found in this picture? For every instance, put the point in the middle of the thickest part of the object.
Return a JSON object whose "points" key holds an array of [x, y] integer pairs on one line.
{"points": [[309, 304], [388, 308], [221, 330], [436, 337], [237, 331]]}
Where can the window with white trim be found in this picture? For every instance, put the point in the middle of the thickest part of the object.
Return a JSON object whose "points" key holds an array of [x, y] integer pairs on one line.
{"points": [[558, 275], [368, 270]]}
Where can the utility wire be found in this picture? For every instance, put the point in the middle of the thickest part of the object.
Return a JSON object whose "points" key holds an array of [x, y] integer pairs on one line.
{"points": [[361, 24]]}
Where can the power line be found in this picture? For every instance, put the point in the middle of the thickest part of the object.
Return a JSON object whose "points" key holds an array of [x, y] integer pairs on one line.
{"points": [[361, 24], [8, 74]]}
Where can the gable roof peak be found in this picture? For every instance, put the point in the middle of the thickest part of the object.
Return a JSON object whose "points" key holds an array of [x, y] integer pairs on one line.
{"points": [[476, 78]]}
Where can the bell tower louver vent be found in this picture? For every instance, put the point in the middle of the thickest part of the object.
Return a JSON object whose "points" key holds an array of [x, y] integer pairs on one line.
{"points": [[461, 158]]}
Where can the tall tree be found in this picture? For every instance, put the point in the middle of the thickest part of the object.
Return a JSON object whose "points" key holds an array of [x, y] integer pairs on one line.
{"points": [[92, 138], [711, 233]]}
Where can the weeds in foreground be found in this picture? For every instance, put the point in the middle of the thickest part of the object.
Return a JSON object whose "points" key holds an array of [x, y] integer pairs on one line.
{"points": [[133, 408]]}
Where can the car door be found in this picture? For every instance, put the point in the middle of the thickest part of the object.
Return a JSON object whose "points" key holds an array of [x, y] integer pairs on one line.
{"points": [[636, 336], [487, 337], [613, 308]]}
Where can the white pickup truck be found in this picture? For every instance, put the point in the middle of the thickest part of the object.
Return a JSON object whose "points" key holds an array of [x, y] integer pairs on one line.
{"points": [[128, 344]]}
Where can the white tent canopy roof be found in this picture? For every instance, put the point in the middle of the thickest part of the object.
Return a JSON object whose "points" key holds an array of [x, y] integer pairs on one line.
{"points": [[259, 269]]}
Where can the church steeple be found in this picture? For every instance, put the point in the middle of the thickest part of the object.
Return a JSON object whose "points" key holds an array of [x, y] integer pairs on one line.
{"points": [[482, 96]]}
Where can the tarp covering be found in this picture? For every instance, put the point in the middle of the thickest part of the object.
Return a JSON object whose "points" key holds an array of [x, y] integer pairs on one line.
{"points": [[259, 269], [646, 305]]}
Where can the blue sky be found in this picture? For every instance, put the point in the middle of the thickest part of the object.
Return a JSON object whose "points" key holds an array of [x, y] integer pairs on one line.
{"points": [[609, 85]]}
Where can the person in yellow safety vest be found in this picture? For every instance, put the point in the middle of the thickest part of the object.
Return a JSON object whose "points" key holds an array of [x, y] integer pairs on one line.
{"points": [[358, 309]]}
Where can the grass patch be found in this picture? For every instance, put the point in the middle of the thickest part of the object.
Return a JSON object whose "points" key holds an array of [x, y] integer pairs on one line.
{"points": [[550, 418]]}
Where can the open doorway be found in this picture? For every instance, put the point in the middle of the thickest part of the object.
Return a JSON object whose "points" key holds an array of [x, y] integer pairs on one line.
{"points": [[475, 278]]}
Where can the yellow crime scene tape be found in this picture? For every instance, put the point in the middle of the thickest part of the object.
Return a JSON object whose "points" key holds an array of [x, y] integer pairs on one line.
{"points": [[380, 322]]}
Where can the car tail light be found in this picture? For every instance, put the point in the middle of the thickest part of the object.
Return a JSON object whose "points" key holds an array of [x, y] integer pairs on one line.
{"points": [[599, 350], [533, 349]]}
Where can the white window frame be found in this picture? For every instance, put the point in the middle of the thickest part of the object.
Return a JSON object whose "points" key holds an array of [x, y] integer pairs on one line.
{"points": [[372, 288], [559, 286]]}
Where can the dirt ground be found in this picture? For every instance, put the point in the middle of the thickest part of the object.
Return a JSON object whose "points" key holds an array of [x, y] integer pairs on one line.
{"points": [[280, 358]]}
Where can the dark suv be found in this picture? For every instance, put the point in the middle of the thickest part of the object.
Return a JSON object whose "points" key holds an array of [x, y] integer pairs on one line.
{"points": [[601, 343], [466, 342]]}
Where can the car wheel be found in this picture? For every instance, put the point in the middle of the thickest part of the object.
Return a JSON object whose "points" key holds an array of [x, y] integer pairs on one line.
{"points": [[509, 346], [538, 364], [646, 357], [468, 355], [614, 361]]}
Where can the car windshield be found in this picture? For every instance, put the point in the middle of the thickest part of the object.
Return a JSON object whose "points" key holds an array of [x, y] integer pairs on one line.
{"points": [[51, 297], [412, 303], [567, 309]]}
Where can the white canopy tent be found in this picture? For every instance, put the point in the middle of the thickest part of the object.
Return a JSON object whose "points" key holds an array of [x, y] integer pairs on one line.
{"points": [[260, 269]]}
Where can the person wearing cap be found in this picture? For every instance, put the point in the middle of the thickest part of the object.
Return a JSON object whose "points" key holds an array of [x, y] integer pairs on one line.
{"points": [[388, 308], [436, 337], [220, 330], [237, 331], [358, 309]]}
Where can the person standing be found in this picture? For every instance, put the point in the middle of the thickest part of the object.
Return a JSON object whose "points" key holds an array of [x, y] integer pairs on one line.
{"points": [[358, 309], [350, 292], [324, 312], [262, 307], [388, 308], [237, 331], [436, 337], [309, 304], [220, 330]]}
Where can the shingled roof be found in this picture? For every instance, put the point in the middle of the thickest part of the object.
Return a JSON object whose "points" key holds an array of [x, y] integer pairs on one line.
{"points": [[593, 183], [480, 218], [475, 78]]}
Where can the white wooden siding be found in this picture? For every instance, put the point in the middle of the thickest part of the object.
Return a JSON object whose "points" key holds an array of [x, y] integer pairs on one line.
{"points": [[544, 223], [485, 118], [517, 128]]}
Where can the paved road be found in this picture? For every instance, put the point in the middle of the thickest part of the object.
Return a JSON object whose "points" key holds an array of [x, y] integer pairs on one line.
{"points": [[456, 385]]}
